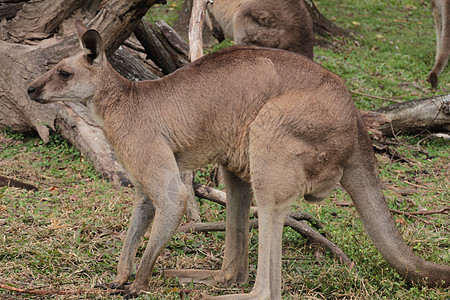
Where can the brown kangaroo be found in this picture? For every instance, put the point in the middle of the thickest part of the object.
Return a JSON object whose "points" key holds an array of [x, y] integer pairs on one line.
{"points": [[441, 14], [283, 24], [281, 126]]}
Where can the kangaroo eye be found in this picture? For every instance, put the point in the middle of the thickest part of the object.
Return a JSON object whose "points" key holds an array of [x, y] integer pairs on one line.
{"points": [[64, 74]]}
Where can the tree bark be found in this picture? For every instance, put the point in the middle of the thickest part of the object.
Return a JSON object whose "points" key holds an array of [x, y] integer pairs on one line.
{"points": [[8, 9], [182, 25], [155, 50], [196, 28], [417, 116], [31, 44], [410, 117]]}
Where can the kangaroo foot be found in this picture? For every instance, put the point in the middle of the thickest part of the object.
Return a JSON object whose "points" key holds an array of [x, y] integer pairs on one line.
{"points": [[129, 291], [113, 286], [252, 295]]}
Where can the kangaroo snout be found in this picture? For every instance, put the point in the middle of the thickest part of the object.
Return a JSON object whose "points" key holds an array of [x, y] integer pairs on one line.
{"points": [[31, 90], [33, 94]]}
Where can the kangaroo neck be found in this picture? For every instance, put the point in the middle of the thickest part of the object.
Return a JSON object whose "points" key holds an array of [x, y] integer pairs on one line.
{"points": [[112, 90]]}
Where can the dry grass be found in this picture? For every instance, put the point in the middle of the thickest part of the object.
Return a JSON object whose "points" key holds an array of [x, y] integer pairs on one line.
{"points": [[68, 235]]}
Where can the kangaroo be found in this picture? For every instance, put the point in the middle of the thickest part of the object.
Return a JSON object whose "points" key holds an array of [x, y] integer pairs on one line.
{"points": [[441, 14], [283, 24], [281, 126]]}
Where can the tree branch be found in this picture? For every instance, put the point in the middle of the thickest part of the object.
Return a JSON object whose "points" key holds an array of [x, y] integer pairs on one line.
{"points": [[196, 28], [299, 226], [293, 220]]}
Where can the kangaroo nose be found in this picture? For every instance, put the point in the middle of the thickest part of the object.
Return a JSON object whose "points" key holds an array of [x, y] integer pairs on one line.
{"points": [[31, 90]]}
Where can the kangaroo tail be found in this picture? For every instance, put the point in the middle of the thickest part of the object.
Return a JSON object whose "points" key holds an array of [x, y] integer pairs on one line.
{"points": [[361, 181]]}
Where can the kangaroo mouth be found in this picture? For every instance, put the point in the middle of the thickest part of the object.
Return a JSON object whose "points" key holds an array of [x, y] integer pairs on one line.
{"points": [[47, 101], [42, 101]]}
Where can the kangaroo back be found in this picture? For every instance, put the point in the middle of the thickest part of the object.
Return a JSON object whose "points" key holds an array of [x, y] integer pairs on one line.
{"points": [[282, 24]]}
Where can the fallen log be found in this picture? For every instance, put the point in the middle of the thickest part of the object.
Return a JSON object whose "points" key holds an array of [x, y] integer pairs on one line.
{"points": [[417, 116], [154, 48]]}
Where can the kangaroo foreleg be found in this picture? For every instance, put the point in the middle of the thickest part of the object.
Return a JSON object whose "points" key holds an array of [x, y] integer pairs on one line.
{"points": [[143, 214], [169, 209]]}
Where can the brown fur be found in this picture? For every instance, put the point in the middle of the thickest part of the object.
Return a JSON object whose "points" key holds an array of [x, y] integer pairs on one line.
{"points": [[283, 24], [441, 14], [280, 125]]}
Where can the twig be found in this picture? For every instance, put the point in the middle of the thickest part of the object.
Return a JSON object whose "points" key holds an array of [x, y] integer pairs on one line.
{"points": [[306, 231], [51, 292], [304, 216], [414, 214], [431, 212], [219, 197], [399, 143], [299, 226], [408, 214], [134, 47], [212, 194], [5, 181], [376, 97], [423, 186], [215, 226]]}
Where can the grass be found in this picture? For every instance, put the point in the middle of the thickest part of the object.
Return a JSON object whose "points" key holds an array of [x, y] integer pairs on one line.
{"points": [[390, 54], [68, 235]]}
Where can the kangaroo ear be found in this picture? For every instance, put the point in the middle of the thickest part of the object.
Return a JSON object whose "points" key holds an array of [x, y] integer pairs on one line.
{"points": [[81, 29], [92, 44]]}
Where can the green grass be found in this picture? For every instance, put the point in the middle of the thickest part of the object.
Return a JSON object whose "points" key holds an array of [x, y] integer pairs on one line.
{"points": [[390, 54], [167, 13], [69, 234]]}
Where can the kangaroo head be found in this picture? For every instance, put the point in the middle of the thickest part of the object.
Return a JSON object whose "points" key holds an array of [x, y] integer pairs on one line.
{"points": [[74, 78]]}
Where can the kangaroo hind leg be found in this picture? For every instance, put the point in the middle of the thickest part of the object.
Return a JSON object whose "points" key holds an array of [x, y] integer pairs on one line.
{"points": [[441, 14], [235, 262]]}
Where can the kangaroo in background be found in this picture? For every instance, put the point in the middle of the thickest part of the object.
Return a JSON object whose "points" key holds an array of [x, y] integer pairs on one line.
{"points": [[282, 127], [441, 14], [283, 24]]}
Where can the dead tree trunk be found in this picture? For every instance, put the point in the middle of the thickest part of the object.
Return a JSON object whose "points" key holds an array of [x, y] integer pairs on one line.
{"points": [[417, 116], [410, 117], [35, 40]]}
